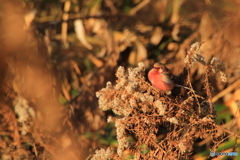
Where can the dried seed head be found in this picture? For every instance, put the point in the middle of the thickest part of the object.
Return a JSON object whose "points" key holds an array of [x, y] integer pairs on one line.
{"points": [[141, 66], [120, 72], [109, 85], [172, 120], [122, 141], [110, 119], [160, 108], [223, 76], [194, 56], [219, 66], [102, 154], [98, 94], [133, 102]]}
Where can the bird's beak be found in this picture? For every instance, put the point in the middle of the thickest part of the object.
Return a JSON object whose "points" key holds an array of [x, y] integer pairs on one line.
{"points": [[165, 73]]}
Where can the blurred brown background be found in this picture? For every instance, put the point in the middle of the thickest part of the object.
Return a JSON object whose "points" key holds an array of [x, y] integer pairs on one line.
{"points": [[56, 54]]}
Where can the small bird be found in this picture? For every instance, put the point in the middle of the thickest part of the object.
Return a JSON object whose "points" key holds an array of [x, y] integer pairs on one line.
{"points": [[162, 78]]}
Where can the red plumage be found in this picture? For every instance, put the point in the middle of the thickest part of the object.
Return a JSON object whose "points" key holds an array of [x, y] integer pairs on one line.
{"points": [[161, 77]]}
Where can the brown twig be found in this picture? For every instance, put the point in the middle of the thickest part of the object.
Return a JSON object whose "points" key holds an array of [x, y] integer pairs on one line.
{"points": [[208, 88], [234, 134], [189, 82], [227, 90], [139, 6]]}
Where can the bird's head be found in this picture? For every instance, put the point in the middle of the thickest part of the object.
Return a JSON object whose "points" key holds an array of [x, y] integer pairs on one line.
{"points": [[160, 68]]}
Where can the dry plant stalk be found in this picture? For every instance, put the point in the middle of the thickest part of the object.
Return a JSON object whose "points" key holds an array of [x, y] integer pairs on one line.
{"points": [[216, 65], [145, 111]]}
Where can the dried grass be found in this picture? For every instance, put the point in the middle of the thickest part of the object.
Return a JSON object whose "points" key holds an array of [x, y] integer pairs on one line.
{"points": [[42, 60]]}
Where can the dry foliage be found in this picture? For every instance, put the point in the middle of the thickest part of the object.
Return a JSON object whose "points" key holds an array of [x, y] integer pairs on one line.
{"points": [[55, 55], [146, 112]]}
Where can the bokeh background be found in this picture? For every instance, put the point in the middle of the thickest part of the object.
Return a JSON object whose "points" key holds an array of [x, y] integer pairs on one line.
{"points": [[55, 55]]}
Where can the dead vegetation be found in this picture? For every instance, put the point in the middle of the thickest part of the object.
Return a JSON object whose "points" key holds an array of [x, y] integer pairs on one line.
{"points": [[56, 55], [145, 112]]}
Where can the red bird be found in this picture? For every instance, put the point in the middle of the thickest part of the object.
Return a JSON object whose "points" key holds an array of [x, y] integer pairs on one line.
{"points": [[161, 77]]}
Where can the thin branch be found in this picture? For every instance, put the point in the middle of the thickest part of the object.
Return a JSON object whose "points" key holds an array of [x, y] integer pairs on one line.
{"points": [[207, 87], [234, 134], [139, 6], [227, 90]]}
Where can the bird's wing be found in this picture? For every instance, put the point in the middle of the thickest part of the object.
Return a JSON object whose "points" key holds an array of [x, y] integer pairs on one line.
{"points": [[168, 73]]}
